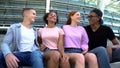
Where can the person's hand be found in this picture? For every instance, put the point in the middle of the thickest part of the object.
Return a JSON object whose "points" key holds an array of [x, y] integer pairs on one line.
{"points": [[64, 63], [84, 52], [64, 57], [42, 47], [116, 46], [11, 61]]}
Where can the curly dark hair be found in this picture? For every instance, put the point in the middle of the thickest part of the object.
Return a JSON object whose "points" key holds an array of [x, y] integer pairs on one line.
{"points": [[46, 15]]}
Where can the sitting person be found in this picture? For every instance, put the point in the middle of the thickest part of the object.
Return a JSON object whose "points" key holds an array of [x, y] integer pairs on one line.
{"points": [[76, 43], [23, 39], [51, 41], [98, 35]]}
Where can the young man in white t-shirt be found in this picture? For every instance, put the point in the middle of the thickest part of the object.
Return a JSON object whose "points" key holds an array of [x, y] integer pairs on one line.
{"points": [[23, 39]]}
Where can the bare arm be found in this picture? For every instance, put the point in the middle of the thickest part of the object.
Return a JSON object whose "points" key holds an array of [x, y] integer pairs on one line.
{"points": [[64, 57], [60, 44], [109, 49], [11, 59], [84, 42], [115, 43]]}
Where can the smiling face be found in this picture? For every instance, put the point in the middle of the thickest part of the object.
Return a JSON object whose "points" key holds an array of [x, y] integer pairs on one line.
{"points": [[52, 17], [73, 16], [93, 18], [30, 15], [76, 17]]}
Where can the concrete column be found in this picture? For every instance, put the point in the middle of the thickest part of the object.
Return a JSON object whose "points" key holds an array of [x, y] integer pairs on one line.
{"points": [[47, 5], [102, 4]]}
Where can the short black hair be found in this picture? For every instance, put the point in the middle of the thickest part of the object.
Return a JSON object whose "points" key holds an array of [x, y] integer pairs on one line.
{"points": [[24, 9], [46, 15], [99, 13]]}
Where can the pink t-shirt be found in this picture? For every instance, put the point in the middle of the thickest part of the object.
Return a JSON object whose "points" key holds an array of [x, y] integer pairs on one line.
{"points": [[50, 36]]}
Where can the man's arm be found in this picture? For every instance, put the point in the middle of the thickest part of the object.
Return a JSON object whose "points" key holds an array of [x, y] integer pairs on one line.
{"points": [[116, 43], [109, 49], [10, 59], [6, 42]]}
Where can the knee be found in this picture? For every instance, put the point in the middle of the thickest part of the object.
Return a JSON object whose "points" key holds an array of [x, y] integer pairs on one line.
{"points": [[53, 56], [89, 59], [101, 52], [80, 58], [103, 49]]}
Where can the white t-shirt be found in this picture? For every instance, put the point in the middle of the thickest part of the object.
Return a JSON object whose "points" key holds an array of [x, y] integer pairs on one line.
{"points": [[27, 40]]}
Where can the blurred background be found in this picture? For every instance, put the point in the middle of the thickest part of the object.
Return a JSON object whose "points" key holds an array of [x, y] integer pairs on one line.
{"points": [[10, 11]]}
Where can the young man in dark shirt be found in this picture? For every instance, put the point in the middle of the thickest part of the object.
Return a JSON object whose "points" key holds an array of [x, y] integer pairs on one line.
{"points": [[98, 35]]}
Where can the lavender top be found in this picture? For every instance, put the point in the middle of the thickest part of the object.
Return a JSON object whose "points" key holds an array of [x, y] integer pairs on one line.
{"points": [[75, 37]]}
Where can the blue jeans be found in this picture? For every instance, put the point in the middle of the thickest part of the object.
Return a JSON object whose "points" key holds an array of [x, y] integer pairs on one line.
{"points": [[33, 59], [36, 59], [102, 56], [116, 55]]}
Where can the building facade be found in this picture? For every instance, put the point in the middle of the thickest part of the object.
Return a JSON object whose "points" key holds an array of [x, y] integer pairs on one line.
{"points": [[10, 11]]}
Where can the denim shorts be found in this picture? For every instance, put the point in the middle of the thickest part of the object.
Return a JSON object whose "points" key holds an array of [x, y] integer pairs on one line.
{"points": [[73, 50], [47, 49]]}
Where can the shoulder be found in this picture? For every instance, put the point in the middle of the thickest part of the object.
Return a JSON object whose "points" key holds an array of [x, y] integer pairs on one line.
{"points": [[64, 26], [105, 27], [81, 27], [40, 29], [16, 25], [87, 27], [58, 28]]}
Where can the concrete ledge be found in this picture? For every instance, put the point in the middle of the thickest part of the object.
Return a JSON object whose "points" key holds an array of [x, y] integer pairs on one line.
{"points": [[115, 65]]}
